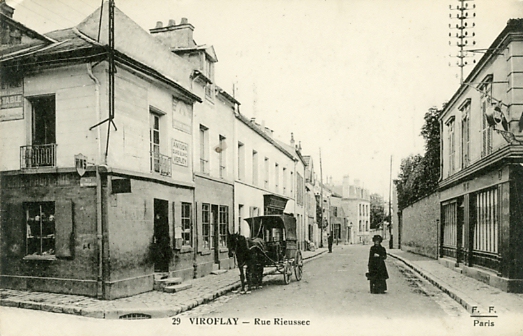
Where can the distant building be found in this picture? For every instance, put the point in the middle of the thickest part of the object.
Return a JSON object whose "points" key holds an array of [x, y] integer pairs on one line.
{"points": [[356, 205]]}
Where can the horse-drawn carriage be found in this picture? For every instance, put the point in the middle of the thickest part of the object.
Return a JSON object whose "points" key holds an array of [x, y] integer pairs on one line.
{"points": [[272, 243]]}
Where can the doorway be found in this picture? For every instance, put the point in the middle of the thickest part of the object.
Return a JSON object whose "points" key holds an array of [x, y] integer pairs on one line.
{"points": [[162, 253], [215, 232]]}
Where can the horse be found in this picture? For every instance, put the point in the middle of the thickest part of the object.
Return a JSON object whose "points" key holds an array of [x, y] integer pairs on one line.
{"points": [[249, 253]]}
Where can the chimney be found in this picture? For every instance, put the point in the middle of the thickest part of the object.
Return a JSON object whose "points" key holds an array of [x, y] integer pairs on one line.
{"points": [[253, 120], [292, 139], [346, 185], [6, 9], [299, 146], [175, 36]]}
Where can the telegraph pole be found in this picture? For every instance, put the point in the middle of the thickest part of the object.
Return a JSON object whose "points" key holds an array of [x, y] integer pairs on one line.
{"points": [[464, 15], [321, 203], [390, 205]]}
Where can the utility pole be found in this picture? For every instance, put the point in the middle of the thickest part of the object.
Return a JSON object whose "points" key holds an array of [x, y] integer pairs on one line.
{"points": [[390, 205], [321, 203], [463, 27]]}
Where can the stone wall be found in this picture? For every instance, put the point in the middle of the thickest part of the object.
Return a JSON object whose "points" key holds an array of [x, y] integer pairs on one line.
{"points": [[419, 229]]}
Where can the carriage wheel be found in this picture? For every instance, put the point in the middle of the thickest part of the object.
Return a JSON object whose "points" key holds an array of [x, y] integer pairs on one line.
{"points": [[298, 266], [287, 272]]}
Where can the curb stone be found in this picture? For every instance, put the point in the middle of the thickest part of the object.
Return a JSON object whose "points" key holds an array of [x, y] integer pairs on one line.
{"points": [[116, 313], [461, 298]]}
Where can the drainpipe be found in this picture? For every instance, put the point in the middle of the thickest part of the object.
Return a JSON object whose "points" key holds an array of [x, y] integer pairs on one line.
{"points": [[99, 232]]}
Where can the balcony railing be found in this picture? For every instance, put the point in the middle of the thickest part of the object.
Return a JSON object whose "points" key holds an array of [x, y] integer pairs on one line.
{"points": [[38, 156], [161, 164]]}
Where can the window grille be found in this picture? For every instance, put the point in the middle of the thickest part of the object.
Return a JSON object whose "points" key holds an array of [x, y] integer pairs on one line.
{"points": [[486, 229]]}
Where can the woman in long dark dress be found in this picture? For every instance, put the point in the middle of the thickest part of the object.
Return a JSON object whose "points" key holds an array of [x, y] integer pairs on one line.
{"points": [[377, 270]]}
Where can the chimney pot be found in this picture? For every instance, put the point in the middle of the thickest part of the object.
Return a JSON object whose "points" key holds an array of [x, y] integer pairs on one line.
{"points": [[184, 21], [159, 24], [253, 120], [172, 23]]}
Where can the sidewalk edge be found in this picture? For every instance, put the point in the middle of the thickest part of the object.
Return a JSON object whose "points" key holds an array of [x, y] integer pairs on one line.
{"points": [[464, 300], [146, 312]]}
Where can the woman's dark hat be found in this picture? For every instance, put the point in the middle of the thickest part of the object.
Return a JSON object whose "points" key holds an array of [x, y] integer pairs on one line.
{"points": [[377, 237]]}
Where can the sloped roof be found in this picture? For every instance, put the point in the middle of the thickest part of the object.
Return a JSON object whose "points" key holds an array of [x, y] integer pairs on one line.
{"points": [[36, 39], [306, 159], [133, 47], [264, 135], [209, 51]]}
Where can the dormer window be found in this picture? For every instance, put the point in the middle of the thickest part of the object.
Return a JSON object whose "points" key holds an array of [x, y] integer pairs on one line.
{"points": [[208, 71]]}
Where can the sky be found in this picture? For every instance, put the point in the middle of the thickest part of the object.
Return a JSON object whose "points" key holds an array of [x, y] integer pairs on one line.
{"points": [[350, 78]]}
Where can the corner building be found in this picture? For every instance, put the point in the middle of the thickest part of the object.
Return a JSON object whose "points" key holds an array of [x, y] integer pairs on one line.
{"points": [[481, 190]]}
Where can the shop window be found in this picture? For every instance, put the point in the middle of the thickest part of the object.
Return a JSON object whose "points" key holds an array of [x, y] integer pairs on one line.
{"points": [[486, 228], [450, 224], [40, 238], [206, 226], [186, 224], [223, 225]]}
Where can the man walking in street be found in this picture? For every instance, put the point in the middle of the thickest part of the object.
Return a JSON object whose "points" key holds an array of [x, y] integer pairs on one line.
{"points": [[330, 240]]}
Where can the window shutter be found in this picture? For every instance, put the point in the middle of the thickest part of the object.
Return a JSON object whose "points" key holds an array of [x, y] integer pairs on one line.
{"points": [[64, 228], [14, 231]]}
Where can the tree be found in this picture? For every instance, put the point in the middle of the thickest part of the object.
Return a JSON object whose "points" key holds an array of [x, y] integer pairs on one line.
{"points": [[431, 133], [419, 174], [377, 211]]}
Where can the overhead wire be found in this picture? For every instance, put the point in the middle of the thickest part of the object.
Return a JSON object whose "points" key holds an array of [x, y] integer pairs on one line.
{"points": [[61, 25], [63, 3], [88, 5], [50, 11]]}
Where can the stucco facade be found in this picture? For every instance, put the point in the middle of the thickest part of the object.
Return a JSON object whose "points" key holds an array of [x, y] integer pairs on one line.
{"points": [[94, 227], [480, 190]]}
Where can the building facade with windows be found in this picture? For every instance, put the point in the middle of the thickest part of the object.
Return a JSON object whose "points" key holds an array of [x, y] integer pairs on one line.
{"points": [[93, 203], [481, 186], [340, 222], [213, 136], [311, 205], [356, 205], [266, 178], [296, 178]]}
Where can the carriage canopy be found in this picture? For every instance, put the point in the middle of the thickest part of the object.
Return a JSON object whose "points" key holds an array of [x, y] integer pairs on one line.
{"points": [[273, 227]]}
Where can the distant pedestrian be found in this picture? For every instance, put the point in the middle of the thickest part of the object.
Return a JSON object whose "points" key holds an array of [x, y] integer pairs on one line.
{"points": [[377, 270], [330, 240]]}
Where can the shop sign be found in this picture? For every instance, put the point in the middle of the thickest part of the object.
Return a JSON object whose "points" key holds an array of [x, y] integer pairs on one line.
{"points": [[180, 153], [11, 100], [88, 181]]}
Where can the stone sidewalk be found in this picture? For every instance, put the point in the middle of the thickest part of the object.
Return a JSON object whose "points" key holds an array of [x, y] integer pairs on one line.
{"points": [[465, 290], [153, 304]]}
